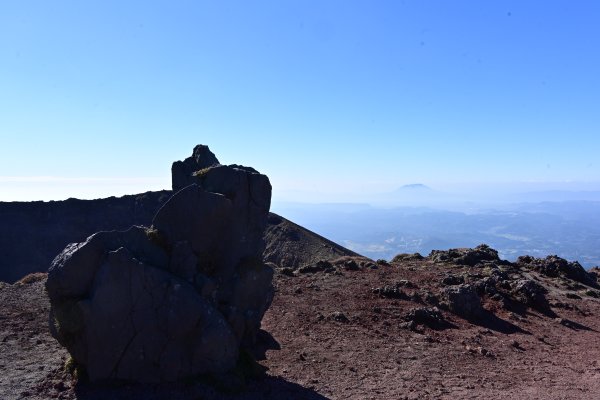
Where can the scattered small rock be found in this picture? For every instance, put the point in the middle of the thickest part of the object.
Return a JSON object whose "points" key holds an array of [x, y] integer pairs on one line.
{"points": [[339, 317], [319, 266], [452, 280], [431, 317], [516, 345], [391, 292]]}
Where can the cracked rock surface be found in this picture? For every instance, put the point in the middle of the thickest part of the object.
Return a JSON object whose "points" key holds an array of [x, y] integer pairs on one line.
{"points": [[178, 299]]}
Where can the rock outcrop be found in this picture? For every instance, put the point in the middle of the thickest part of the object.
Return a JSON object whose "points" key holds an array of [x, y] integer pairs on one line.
{"points": [[555, 266], [174, 300], [466, 256]]}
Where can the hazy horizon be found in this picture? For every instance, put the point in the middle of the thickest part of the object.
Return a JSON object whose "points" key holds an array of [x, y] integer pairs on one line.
{"points": [[49, 188]]}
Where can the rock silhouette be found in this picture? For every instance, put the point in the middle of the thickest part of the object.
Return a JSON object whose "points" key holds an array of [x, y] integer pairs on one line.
{"points": [[177, 299]]}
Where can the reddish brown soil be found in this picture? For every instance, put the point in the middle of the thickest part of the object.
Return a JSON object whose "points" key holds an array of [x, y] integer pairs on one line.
{"points": [[314, 353], [370, 357]]}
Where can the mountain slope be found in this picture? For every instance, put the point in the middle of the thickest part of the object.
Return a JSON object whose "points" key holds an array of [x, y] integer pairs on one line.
{"points": [[290, 245]]}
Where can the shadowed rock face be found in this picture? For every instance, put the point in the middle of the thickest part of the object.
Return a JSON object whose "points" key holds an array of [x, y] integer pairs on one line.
{"points": [[33, 233], [177, 299], [182, 171]]}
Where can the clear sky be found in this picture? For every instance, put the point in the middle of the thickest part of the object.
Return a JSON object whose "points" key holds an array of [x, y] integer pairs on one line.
{"points": [[99, 97]]}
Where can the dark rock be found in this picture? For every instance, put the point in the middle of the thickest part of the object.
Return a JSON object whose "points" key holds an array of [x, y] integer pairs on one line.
{"points": [[530, 293], [430, 298], [319, 266], [286, 271], [391, 292], [429, 316], [571, 324], [416, 297], [177, 299], [463, 300], [351, 265], [554, 266], [570, 285], [182, 171], [407, 257], [411, 325], [405, 283], [464, 256], [497, 297], [451, 280], [339, 317], [487, 285]]}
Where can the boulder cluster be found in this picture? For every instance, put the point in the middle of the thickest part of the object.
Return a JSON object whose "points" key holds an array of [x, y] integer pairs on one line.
{"points": [[554, 266], [180, 298], [466, 256]]}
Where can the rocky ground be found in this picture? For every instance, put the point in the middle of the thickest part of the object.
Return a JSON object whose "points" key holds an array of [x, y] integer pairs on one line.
{"points": [[457, 324]]}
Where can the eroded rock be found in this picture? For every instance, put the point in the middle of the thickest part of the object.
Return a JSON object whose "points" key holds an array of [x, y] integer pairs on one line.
{"points": [[555, 266], [463, 300], [174, 300], [465, 256], [531, 294]]}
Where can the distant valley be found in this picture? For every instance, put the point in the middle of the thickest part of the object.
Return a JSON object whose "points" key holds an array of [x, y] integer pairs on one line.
{"points": [[570, 229]]}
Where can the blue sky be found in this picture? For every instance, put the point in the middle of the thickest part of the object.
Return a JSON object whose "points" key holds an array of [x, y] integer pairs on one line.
{"points": [[99, 97]]}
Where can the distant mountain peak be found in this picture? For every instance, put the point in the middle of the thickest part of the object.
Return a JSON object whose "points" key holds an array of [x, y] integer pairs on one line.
{"points": [[415, 186]]}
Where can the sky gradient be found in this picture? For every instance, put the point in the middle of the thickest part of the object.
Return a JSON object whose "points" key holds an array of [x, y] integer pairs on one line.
{"points": [[99, 97]]}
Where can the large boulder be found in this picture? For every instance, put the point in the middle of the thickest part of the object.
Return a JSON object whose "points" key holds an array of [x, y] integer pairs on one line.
{"points": [[177, 299], [464, 301]]}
